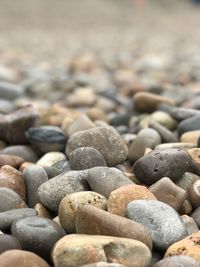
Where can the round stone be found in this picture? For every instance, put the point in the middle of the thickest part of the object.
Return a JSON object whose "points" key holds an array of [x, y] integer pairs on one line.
{"points": [[194, 194], [8, 242], [190, 124], [177, 261], [160, 220], [51, 158], [103, 264], [166, 135], [23, 151], [11, 160], [190, 224], [37, 234], [10, 200], [190, 137]]}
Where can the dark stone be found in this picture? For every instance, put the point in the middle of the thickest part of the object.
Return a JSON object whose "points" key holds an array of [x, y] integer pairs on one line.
{"points": [[8, 242], [190, 124]]}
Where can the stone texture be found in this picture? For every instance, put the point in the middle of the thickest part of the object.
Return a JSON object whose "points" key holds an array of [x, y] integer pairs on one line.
{"points": [[10, 200], [104, 180], [160, 220], [72, 202], [16, 258], [94, 221], [85, 158], [187, 181], [76, 250], [119, 198], [177, 261], [42, 211], [105, 139], [8, 242]]}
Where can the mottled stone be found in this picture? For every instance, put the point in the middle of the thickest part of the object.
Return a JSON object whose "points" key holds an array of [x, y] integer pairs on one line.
{"points": [[54, 190], [94, 221], [76, 250], [104, 180], [16, 258], [10, 200], [119, 198], [177, 261], [8, 242], [85, 158], [168, 192], [37, 234], [195, 154], [105, 139], [160, 220], [8, 217], [42, 211], [145, 138], [71, 203]]}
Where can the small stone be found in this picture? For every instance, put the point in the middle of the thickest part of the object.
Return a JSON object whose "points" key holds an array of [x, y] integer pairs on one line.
{"points": [[37, 234], [160, 220], [8, 242], [8, 217], [147, 102], [103, 264], [23, 151], [145, 138], [168, 192], [76, 250], [51, 158], [188, 246], [11, 160], [196, 216], [188, 125], [10, 91], [46, 138], [195, 154], [10, 200], [104, 180], [162, 118], [85, 158], [187, 180], [42, 211], [105, 139], [6, 106], [166, 135], [54, 190], [14, 125], [82, 97], [81, 123], [16, 258], [186, 208], [13, 179], [190, 224], [94, 221], [34, 176], [71, 203], [177, 261], [190, 137], [194, 194], [177, 145], [119, 198], [180, 114]]}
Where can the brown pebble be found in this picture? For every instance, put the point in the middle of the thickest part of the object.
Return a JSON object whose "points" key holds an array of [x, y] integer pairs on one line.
{"points": [[190, 137], [42, 211], [11, 160], [190, 224], [194, 194]]}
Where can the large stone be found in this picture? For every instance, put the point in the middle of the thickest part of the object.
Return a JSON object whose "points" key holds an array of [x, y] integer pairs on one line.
{"points": [[105, 139], [76, 250], [160, 220]]}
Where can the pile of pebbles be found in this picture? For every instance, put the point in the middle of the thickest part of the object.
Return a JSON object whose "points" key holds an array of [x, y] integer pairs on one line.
{"points": [[100, 165]]}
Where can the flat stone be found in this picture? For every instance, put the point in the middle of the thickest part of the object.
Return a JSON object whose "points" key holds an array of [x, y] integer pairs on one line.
{"points": [[34, 176], [180, 113], [8, 217], [11, 160], [8, 242], [10, 200], [37, 234], [54, 190], [168, 192], [103, 264], [105, 139], [145, 138], [104, 180], [13, 179], [190, 137], [160, 220], [190, 124], [178, 145], [147, 102], [23, 151], [76, 250], [177, 261], [85, 158], [51, 158], [71, 203], [166, 135], [188, 246], [119, 198], [94, 221], [16, 258]]}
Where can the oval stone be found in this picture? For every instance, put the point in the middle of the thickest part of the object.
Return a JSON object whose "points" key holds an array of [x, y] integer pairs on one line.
{"points": [[10, 200], [8, 242], [177, 261]]}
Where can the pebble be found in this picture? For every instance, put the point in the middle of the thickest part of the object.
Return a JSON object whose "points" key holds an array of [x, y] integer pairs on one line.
{"points": [[76, 250], [105, 139], [6, 106], [145, 138], [10, 200], [54, 190], [160, 220], [195, 154], [196, 216], [8, 242], [190, 224], [11, 160], [21, 258], [9, 216], [23, 151], [104, 180], [188, 125], [72, 202], [51, 158], [187, 180], [166, 135], [147, 102], [46, 138], [14, 125], [42, 211], [34, 176], [94, 221], [177, 145], [37, 234], [13, 179], [10, 91], [190, 137], [103, 264], [162, 163], [168, 192], [188, 246], [194, 194], [179, 113], [85, 158], [119, 198], [177, 261]]}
